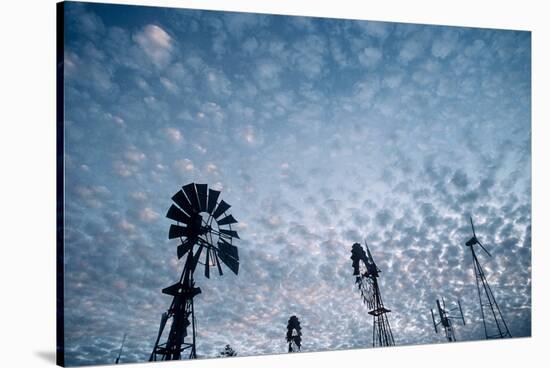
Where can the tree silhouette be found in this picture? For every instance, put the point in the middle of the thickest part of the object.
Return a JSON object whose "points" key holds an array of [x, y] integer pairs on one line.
{"points": [[228, 352]]}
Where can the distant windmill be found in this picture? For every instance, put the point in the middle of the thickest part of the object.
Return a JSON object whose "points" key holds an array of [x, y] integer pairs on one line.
{"points": [[294, 334], [493, 321], [445, 318], [203, 228], [366, 277], [120, 351]]}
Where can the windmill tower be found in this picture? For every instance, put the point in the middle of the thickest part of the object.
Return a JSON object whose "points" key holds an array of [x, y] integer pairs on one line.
{"points": [[203, 227], [294, 334], [493, 322], [366, 277], [445, 318]]}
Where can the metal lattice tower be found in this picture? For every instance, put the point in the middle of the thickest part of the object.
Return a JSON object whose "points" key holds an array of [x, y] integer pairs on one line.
{"points": [[204, 228], [366, 277], [445, 318], [181, 312], [494, 325]]}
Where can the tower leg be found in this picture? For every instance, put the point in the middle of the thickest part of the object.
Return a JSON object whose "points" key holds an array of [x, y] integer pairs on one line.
{"points": [[182, 315], [381, 332], [498, 328]]}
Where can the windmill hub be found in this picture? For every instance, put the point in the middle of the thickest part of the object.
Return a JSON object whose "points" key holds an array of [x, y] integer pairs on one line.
{"points": [[471, 242], [195, 226]]}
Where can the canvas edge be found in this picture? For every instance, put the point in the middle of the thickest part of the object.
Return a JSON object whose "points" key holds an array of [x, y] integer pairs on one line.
{"points": [[60, 295]]}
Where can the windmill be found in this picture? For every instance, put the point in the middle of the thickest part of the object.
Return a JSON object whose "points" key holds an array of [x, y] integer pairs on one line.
{"points": [[203, 228], [445, 318], [120, 351], [493, 322], [366, 277], [294, 334]]}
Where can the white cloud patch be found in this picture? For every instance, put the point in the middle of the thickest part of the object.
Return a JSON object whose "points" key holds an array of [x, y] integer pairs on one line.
{"points": [[410, 50], [156, 43], [267, 74], [174, 135], [444, 45], [184, 165], [148, 215], [370, 57], [376, 29], [135, 156], [169, 85], [250, 135], [124, 169]]}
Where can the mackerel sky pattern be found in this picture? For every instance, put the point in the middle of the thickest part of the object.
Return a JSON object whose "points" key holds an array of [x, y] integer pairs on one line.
{"points": [[319, 133]]}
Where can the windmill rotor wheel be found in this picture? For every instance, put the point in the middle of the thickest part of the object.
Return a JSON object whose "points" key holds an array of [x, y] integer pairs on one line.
{"points": [[204, 227]]}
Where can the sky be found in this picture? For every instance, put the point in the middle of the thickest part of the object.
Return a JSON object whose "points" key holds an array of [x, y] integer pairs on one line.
{"points": [[320, 133]]}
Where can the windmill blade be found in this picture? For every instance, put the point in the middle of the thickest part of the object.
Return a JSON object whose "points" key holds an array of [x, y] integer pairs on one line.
{"points": [[201, 194], [473, 230], [177, 231], [433, 320], [369, 256], [212, 200], [207, 264], [218, 263], [371, 265], [230, 262], [227, 220], [357, 255], [196, 258], [191, 193], [230, 233], [184, 248], [293, 324], [222, 207], [441, 317], [482, 247], [182, 201], [461, 314], [228, 249], [178, 215]]}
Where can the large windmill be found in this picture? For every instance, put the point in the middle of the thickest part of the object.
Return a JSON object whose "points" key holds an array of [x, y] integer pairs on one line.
{"points": [[294, 334], [446, 317], [204, 230], [366, 277], [493, 322]]}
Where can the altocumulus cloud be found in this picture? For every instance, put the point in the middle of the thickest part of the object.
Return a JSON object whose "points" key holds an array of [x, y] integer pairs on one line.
{"points": [[320, 133]]}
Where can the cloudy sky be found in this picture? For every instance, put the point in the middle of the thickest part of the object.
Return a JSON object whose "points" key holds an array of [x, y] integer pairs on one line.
{"points": [[320, 133]]}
